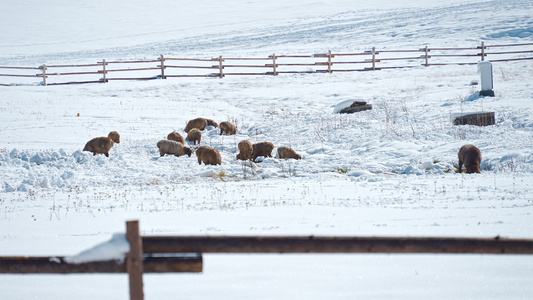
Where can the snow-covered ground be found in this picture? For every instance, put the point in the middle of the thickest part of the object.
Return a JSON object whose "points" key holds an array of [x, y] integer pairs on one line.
{"points": [[388, 171]]}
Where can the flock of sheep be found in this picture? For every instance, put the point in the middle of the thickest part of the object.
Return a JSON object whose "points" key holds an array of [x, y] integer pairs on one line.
{"points": [[469, 155], [175, 144]]}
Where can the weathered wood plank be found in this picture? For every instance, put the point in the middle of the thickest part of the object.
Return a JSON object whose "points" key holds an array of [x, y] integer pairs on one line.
{"points": [[20, 68], [16, 75], [75, 66], [315, 244], [58, 265]]}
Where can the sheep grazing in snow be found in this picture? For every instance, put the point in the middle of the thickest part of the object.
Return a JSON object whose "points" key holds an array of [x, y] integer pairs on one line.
{"points": [[286, 152], [227, 128], [470, 156], [114, 136], [194, 135], [173, 147], [99, 145], [245, 150], [198, 123], [175, 136], [208, 155], [211, 123], [262, 149]]}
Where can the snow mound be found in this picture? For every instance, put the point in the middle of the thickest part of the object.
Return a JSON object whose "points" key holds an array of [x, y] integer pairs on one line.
{"points": [[114, 249]]}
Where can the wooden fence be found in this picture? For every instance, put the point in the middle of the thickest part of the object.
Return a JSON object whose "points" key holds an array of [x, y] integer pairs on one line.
{"points": [[159, 254], [170, 67]]}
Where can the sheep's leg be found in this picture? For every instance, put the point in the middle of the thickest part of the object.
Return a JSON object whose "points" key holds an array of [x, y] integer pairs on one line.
{"points": [[460, 166], [106, 154]]}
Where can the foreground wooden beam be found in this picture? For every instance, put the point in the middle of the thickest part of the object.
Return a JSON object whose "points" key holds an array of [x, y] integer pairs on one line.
{"points": [[315, 244], [58, 265], [134, 260]]}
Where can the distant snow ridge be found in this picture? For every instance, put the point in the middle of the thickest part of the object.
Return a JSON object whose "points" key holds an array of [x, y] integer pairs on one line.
{"points": [[346, 30], [517, 33]]}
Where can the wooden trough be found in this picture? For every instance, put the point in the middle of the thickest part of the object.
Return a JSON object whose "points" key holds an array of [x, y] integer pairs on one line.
{"points": [[478, 119]]}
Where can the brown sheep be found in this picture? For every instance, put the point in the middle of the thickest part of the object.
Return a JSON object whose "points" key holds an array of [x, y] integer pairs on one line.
{"points": [[286, 152], [262, 149], [227, 128], [211, 123], [173, 147], [114, 136], [245, 150], [470, 156], [208, 155], [175, 136], [99, 145], [194, 135], [199, 123]]}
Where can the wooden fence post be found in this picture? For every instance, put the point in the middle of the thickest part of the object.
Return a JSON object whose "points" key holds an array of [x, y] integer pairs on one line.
{"points": [[134, 261], [482, 51], [329, 61], [221, 67], [162, 59], [427, 56], [274, 64], [43, 69], [373, 58], [104, 71]]}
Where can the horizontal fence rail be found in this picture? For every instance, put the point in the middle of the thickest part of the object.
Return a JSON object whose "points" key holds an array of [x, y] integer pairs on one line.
{"points": [[316, 244], [58, 265], [159, 254], [219, 67]]}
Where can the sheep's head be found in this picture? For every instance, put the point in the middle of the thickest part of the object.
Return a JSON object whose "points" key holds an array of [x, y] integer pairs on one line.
{"points": [[187, 151]]}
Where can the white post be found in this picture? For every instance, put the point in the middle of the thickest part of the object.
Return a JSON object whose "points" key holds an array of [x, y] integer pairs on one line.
{"points": [[484, 68], [43, 68]]}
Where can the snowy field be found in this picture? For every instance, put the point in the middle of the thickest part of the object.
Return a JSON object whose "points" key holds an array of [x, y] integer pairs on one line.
{"points": [[389, 171]]}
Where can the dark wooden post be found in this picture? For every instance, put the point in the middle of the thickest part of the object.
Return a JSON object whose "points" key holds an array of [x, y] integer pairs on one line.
{"points": [[134, 261], [482, 51]]}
